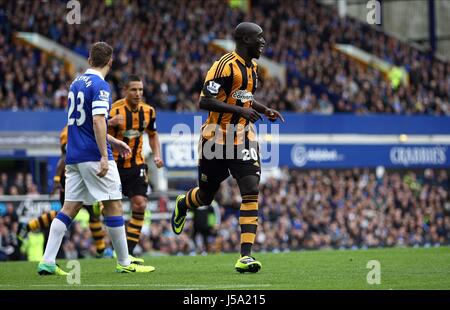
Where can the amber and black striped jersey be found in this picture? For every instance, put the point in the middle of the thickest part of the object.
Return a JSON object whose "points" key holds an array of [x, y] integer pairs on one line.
{"points": [[143, 118], [231, 81], [63, 139]]}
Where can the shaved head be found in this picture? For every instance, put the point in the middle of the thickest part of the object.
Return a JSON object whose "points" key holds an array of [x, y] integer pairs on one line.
{"points": [[246, 29], [249, 40]]}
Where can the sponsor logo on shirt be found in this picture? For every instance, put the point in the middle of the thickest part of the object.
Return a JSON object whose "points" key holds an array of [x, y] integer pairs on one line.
{"points": [[242, 95]]}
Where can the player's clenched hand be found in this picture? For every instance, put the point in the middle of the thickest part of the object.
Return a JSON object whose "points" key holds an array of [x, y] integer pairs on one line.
{"points": [[250, 114], [103, 167], [158, 162], [123, 148], [119, 146]]}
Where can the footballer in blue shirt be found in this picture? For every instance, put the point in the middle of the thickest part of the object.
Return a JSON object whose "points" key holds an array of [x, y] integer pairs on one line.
{"points": [[91, 173]]}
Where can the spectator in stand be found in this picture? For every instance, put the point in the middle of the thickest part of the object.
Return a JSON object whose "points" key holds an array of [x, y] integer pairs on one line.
{"points": [[171, 51]]}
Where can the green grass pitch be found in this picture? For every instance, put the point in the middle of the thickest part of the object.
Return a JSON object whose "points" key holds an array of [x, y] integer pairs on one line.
{"points": [[312, 270]]}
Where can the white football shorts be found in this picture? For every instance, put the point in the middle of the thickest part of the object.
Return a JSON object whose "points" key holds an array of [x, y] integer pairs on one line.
{"points": [[83, 184]]}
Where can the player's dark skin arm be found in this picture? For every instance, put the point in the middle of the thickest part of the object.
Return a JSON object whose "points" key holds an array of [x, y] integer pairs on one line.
{"points": [[259, 107], [61, 162], [271, 114], [59, 169], [212, 104]]}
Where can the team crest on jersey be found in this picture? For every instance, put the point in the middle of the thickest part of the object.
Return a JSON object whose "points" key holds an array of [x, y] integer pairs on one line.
{"points": [[242, 95], [104, 95], [213, 87]]}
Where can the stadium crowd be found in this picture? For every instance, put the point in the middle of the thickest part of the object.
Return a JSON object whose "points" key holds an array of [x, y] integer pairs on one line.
{"points": [[167, 42], [342, 209], [20, 183]]}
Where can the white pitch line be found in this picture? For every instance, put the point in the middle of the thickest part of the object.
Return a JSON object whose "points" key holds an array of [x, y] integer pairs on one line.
{"points": [[180, 286], [227, 286]]}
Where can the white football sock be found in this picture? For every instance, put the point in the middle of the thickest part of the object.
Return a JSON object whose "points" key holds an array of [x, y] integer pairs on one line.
{"points": [[57, 231], [119, 241]]}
